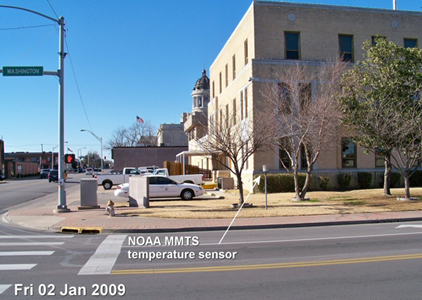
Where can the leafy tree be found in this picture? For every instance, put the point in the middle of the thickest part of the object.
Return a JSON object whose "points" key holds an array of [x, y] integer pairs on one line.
{"points": [[382, 106]]}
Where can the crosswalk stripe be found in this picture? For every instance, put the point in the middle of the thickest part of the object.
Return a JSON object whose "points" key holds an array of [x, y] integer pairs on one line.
{"points": [[4, 287], [11, 267], [105, 257], [33, 244], [25, 253], [36, 236]]}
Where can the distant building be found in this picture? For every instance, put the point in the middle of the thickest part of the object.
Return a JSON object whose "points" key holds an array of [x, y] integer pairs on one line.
{"points": [[171, 135], [144, 156]]}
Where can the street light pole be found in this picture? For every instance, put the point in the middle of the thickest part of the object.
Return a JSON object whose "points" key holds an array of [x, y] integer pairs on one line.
{"points": [[62, 206], [100, 139]]}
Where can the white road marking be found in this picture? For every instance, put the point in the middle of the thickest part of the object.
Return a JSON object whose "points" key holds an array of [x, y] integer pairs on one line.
{"points": [[10, 267], [404, 226], [33, 244], [36, 236], [105, 257], [25, 253], [4, 287]]}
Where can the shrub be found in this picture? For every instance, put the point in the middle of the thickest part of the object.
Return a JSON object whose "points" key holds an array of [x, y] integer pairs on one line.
{"points": [[323, 182], [280, 183], [364, 179], [395, 178], [343, 180], [416, 179]]}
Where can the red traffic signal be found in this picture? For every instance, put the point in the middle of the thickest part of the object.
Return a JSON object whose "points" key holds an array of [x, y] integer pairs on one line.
{"points": [[69, 158]]}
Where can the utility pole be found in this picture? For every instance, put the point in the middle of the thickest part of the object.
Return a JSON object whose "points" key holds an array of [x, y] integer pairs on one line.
{"points": [[62, 206]]}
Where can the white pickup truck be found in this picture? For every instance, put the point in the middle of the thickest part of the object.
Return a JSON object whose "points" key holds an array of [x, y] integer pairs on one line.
{"points": [[108, 180], [190, 178]]}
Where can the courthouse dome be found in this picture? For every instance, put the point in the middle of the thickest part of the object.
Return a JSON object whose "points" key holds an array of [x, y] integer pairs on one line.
{"points": [[202, 83]]}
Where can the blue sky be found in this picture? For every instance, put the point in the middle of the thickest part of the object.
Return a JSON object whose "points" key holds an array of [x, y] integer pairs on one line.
{"points": [[129, 58]]}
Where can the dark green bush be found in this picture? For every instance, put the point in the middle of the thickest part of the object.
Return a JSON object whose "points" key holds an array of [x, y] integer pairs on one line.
{"points": [[416, 179], [323, 182], [343, 180], [395, 178], [364, 180], [280, 183]]}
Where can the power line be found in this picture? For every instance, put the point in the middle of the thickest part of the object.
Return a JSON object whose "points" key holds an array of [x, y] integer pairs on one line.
{"points": [[53, 9], [77, 85], [26, 27]]}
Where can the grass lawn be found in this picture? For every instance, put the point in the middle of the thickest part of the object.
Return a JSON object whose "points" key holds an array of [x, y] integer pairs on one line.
{"points": [[320, 203]]}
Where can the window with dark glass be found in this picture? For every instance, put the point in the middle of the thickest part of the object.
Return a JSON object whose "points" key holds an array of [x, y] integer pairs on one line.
{"points": [[292, 45], [305, 93], [284, 105], [283, 157], [346, 47], [234, 66], [246, 51], [227, 75], [410, 43], [348, 148]]}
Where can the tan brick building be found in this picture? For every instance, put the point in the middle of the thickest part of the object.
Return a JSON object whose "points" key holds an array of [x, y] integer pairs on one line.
{"points": [[272, 36]]}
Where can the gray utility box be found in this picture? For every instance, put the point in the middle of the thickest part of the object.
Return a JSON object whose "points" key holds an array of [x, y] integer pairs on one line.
{"points": [[139, 191], [89, 195], [225, 183]]}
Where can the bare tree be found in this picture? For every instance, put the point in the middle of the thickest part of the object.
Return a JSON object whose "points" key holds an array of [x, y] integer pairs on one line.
{"points": [[236, 140], [307, 116], [130, 137]]}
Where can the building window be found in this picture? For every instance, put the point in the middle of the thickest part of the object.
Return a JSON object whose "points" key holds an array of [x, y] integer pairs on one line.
{"points": [[292, 45], [246, 103], [227, 75], [284, 104], [227, 116], [234, 66], [221, 83], [410, 43], [245, 48], [348, 148], [283, 157], [234, 111], [346, 47], [241, 105], [305, 94], [213, 89]]}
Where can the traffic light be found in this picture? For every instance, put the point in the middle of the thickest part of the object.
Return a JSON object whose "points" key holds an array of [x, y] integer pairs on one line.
{"points": [[69, 158]]}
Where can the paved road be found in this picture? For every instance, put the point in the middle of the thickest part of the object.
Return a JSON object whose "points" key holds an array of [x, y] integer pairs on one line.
{"points": [[19, 191], [378, 261]]}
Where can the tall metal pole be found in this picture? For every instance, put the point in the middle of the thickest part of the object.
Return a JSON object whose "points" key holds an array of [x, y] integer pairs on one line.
{"points": [[61, 206]]}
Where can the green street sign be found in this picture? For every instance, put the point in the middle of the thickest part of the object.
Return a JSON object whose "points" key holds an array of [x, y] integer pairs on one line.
{"points": [[23, 71]]}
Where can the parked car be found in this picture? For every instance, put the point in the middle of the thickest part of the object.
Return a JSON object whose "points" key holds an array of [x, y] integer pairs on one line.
{"points": [[44, 173], [89, 171], [163, 187], [53, 176]]}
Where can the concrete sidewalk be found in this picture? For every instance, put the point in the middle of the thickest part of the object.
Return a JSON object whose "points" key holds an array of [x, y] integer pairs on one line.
{"points": [[38, 214]]}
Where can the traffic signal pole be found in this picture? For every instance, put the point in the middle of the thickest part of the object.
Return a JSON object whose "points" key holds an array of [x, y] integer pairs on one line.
{"points": [[61, 206]]}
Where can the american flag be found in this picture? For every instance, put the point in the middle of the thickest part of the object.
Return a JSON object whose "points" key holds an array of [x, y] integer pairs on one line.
{"points": [[139, 120]]}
